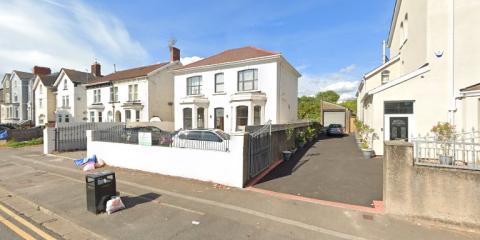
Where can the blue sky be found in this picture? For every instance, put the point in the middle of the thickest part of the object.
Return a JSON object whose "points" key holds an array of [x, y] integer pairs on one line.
{"points": [[331, 42]]}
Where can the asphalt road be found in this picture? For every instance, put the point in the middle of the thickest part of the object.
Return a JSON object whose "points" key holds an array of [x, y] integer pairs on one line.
{"points": [[7, 234], [162, 207], [333, 169]]}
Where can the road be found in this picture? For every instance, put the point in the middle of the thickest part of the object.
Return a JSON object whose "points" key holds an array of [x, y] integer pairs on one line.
{"points": [[161, 207]]}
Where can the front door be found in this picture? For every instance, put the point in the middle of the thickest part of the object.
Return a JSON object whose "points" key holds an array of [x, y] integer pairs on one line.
{"points": [[219, 118], [398, 128]]}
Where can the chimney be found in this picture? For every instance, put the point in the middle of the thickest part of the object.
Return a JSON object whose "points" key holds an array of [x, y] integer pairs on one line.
{"points": [[174, 54], [96, 69], [37, 70]]}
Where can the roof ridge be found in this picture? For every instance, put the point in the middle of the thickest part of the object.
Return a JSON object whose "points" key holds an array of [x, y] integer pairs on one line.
{"points": [[135, 68]]}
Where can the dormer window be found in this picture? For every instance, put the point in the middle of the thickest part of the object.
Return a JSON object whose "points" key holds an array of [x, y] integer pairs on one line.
{"points": [[247, 80], [385, 76]]}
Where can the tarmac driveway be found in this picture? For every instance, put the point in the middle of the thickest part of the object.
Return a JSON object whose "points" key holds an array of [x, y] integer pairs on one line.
{"points": [[333, 169]]}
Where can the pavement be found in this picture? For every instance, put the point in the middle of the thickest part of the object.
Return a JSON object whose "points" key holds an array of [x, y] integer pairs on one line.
{"points": [[163, 207], [332, 169]]}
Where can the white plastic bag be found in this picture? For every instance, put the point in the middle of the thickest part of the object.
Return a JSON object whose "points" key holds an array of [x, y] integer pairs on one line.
{"points": [[100, 163], [114, 204], [89, 167]]}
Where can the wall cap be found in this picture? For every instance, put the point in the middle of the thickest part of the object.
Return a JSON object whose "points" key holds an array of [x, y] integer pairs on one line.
{"points": [[398, 143]]}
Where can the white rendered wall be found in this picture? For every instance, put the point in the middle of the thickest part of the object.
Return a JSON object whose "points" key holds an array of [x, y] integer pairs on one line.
{"points": [[220, 167]]}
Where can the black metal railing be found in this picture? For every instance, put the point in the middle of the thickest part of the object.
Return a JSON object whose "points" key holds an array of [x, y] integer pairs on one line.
{"points": [[162, 139]]}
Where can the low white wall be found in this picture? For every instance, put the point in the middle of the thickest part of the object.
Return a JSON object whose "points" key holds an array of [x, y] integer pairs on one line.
{"points": [[220, 167]]}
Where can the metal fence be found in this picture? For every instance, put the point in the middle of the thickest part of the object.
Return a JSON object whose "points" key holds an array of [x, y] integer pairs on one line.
{"points": [[200, 140], [70, 137], [462, 151]]}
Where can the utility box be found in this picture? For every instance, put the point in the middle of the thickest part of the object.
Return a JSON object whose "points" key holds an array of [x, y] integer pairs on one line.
{"points": [[101, 186]]}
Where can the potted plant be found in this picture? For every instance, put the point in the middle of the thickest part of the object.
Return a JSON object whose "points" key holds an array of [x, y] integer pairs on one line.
{"points": [[445, 134], [300, 139], [287, 154], [358, 133], [367, 136], [310, 134]]}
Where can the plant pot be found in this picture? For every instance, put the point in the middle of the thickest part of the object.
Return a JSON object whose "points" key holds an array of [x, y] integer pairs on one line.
{"points": [[367, 153], [445, 160], [287, 155]]}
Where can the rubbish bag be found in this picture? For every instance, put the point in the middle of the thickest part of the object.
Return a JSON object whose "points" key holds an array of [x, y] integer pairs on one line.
{"points": [[89, 167], [3, 135], [114, 204], [100, 163], [80, 162]]}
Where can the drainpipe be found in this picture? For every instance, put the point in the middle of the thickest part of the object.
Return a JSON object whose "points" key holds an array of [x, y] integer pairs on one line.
{"points": [[384, 52], [452, 108]]}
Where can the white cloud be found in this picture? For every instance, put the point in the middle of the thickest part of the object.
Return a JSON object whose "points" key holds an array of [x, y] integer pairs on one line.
{"points": [[188, 60], [63, 34], [348, 69], [342, 82]]}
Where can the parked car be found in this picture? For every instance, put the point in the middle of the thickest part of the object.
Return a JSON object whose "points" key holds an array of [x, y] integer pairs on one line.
{"points": [[335, 130], [159, 136], [211, 139]]}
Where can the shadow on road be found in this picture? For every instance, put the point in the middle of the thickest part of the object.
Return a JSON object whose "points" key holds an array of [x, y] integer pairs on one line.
{"points": [[144, 198]]}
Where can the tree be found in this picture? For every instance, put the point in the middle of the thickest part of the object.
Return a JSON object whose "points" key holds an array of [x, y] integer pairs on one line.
{"points": [[328, 96], [350, 104], [309, 108]]}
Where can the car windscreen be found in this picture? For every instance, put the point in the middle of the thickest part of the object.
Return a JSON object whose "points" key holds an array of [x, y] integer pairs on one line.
{"points": [[222, 134]]}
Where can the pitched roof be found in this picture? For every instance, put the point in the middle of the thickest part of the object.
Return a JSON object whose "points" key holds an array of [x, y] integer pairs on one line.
{"points": [[24, 75], [475, 87], [78, 76], [332, 106], [48, 80], [232, 55], [128, 73]]}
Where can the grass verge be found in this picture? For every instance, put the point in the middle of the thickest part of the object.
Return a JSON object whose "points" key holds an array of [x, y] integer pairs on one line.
{"points": [[15, 144]]}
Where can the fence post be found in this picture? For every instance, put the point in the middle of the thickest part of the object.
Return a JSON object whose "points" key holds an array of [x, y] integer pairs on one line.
{"points": [[49, 140]]}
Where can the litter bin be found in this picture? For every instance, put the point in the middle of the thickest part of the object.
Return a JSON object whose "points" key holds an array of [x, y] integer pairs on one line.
{"points": [[101, 186]]}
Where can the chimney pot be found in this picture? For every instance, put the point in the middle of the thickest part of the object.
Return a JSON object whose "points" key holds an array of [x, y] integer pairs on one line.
{"points": [[96, 69], [174, 54], [37, 70]]}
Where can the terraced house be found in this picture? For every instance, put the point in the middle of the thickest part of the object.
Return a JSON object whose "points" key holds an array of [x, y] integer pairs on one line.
{"points": [[139, 94], [44, 95], [432, 74], [18, 98], [71, 94], [236, 88]]}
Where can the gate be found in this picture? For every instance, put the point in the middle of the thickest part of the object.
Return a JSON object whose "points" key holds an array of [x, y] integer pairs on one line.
{"points": [[72, 137], [260, 150]]}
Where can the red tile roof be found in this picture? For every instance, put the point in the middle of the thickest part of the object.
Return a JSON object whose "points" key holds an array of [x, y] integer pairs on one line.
{"points": [[129, 73], [232, 55]]}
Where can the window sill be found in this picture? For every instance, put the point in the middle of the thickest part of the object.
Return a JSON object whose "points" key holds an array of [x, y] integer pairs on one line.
{"points": [[220, 93], [197, 95], [249, 91]]}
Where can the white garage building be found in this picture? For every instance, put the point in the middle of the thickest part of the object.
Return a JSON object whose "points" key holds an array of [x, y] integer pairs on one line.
{"points": [[336, 114]]}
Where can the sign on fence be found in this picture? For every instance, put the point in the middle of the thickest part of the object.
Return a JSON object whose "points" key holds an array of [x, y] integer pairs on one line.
{"points": [[145, 138]]}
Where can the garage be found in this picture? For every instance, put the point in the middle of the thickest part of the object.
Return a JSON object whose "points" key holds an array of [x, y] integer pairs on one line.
{"points": [[336, 114]]}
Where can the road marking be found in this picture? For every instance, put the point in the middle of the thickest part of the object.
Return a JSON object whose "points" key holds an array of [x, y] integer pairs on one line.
{"points": [[219, 204], [16, 229], [26, 224]]}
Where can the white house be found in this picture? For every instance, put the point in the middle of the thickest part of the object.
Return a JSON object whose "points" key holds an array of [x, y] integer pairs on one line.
{"points": [[44, 98], [139, 94], [236, 88], [71, 103], [430, 75]]}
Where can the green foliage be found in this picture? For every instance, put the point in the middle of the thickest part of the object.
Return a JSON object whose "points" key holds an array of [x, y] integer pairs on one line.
{"points": [[15, 144], [310, 132], [444, 131], [328, 96], [301, 137], [365, 133], [309, 108], [350, 104], [290, 137]]}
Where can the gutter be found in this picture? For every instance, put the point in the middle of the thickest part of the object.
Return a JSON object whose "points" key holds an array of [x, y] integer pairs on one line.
{"points": [[400, 80]]}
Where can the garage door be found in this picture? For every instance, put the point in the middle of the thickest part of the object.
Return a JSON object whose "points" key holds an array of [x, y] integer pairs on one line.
{"points": [[334, 118]]}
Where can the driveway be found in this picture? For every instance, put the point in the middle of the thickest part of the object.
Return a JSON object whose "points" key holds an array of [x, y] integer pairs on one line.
{"points": [[333, 169]]}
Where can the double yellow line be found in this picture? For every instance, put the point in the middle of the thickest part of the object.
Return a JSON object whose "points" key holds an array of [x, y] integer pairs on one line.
{"points": [[27, 224]]}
